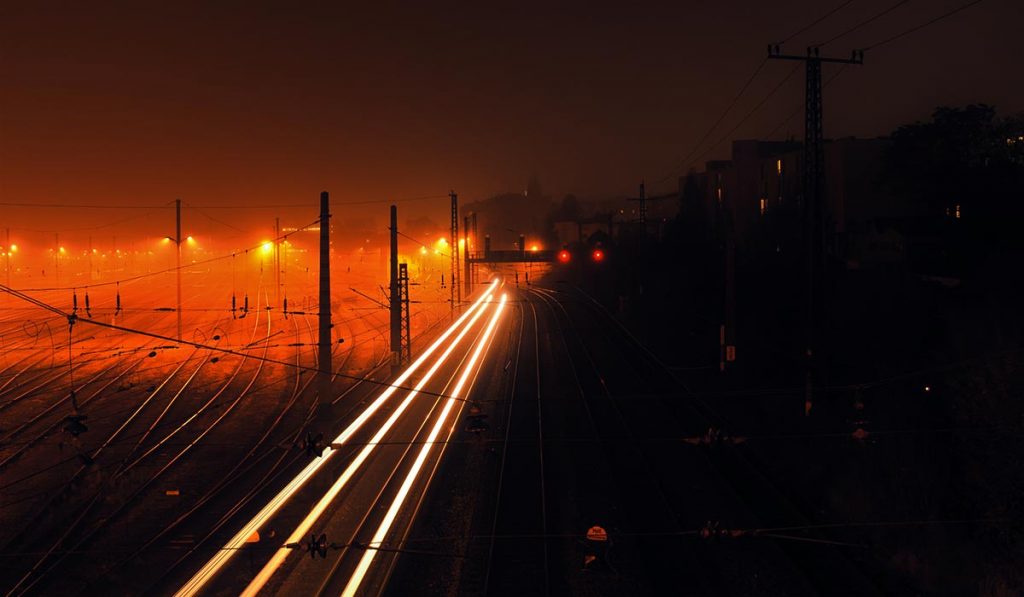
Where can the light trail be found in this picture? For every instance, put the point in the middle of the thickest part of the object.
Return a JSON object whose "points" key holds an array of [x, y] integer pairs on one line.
{"points": [[307, 523], [385, 526], [223, 556]]}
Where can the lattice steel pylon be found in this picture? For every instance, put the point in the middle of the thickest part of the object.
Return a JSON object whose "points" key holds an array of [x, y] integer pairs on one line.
{"points": [[814, 209], [455, 290], [405, 354]]}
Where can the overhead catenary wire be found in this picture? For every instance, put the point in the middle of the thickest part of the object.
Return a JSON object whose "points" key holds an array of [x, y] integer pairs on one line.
{"points": [[420, 243], [916, 28], [172, 269], [334, 204], [867, 21], [816, 21], [752, 111], [225, 350], [799, 108], [751, 532], [170, 205], [110, 224], [567, 441], [688, 160]]}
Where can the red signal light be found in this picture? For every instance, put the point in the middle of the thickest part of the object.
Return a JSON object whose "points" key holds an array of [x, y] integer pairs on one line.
{"points": [[598, 255], [564, 256]]}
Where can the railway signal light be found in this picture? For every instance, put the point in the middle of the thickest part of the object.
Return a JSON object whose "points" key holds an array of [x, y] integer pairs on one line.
{"points": [[564, 256], [597, 255]]}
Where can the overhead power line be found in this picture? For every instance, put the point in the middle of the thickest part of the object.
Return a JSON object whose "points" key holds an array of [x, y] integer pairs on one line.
{"points": [[688, 159], [711, 530], [173, 269], [867, 21], [82, 205], [824, 86], [171, 204], [749, 114], [420, 243], [922, 25], [815, 22], [685, 162], [201, 345]]}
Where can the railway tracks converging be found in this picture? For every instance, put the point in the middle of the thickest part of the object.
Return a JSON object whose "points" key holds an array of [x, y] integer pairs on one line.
{"points": [[717, 485], [375, 446]]}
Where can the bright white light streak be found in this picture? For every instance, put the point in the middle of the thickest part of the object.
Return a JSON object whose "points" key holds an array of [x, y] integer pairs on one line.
{"points": [[307, 523], [410, 478], [210, 569]]}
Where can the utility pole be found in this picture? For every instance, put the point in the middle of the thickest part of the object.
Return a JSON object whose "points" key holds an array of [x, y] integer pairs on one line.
{"points": [[394, 293], [277, 262], [643, 199], [56, 256], [9, 250], [643, 208], [813, 198], [324, 366], [475, 236], [467, 277], [455, 290], [177, 242]]}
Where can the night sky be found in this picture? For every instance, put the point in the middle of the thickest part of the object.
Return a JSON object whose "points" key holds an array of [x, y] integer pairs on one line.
{"points": [[239, 103]]}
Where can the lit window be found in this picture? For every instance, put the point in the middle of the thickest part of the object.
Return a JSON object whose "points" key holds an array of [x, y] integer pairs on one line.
{"points": [[719, 191], [764, 206], [778, 167], [957, 211]]}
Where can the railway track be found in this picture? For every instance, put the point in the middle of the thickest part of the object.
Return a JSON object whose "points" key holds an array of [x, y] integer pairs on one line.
{"points": [[73, 533], [742, 498]]}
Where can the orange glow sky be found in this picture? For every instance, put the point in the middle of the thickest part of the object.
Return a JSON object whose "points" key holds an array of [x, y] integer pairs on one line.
{"points": [[245, 105]]}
